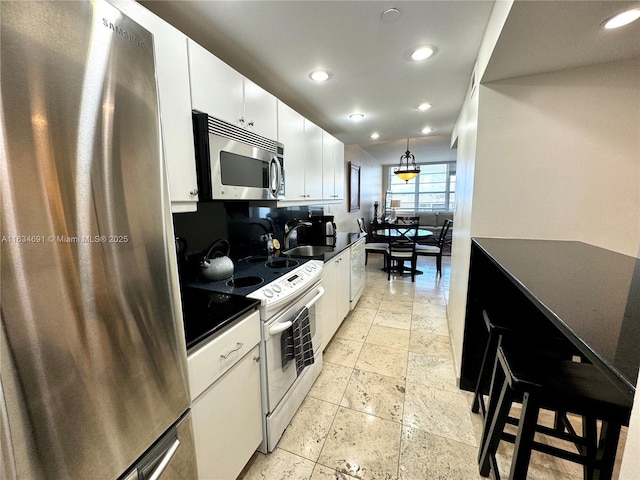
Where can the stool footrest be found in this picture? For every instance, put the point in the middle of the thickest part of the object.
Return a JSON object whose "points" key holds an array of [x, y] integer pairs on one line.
{"points": [[550, 450], [571, 436]]}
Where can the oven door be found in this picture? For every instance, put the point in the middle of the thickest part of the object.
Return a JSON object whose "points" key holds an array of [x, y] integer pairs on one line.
{"points": [[280, 372]]}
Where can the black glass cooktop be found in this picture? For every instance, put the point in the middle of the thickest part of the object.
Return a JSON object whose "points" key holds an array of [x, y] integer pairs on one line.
{"points": [[252, 273], [206, 312]]}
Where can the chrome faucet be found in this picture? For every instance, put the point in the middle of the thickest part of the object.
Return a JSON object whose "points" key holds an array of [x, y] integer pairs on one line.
{"points": [[290, 227]]}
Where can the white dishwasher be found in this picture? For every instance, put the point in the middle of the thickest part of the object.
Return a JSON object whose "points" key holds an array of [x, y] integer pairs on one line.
{"points": [[356, 280], [224, 376]]}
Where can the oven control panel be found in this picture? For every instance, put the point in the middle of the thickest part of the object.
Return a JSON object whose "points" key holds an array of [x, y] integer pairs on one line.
{"points": [[290, 284]]}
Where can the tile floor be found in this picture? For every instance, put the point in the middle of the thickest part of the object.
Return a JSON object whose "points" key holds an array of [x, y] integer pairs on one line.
{"points": [[386, 405]]}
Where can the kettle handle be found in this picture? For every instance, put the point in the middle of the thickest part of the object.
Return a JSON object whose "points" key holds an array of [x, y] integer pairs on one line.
{"points": [[215, 244], [181, 245]]}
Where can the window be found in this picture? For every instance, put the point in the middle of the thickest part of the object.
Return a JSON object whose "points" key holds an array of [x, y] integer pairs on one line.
{"points": [[432, 190]]}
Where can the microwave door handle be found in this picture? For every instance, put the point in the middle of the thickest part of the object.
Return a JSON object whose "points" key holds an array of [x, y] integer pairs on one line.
{"points": [[275, 188]]}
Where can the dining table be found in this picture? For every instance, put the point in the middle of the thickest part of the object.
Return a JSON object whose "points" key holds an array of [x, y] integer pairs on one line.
{"points": [[591, 295], [383, 231]]}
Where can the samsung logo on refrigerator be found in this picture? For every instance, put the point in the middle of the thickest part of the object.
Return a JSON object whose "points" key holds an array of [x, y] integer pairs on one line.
{"points": [[123, 33]]}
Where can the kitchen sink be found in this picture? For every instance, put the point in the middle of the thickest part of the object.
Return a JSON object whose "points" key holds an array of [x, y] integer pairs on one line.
{"points": [[308, 251]]}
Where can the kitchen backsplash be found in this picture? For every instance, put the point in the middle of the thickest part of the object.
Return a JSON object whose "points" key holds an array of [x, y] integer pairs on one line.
{"points": [[243, 225]]}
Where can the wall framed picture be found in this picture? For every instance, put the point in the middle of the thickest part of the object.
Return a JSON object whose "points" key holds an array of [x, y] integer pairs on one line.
{"points": [[354, 187]]}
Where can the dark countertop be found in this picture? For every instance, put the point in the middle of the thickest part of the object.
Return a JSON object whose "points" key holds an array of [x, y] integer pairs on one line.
{"points": [[591, 294], [206, 312], [342, 242]]}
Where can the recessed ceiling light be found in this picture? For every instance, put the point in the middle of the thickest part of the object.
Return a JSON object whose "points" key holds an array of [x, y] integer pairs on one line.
{"points": [[356, 116], [622, 19], [375, 135], [319, 75], [423, 107], [426, 130], [422, 53]]}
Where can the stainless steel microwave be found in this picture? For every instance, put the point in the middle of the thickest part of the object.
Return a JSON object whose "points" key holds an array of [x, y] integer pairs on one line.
{"points": [[233, 163]]}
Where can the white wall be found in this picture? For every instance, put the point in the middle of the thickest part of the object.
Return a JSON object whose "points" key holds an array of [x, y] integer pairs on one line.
{"points": [[465, 135], [370, 190], [467, 126], [558, 157]]}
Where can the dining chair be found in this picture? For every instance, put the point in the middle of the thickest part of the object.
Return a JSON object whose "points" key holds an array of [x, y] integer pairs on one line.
{"points": [[372, 247], [436, 250], [402, 248]]}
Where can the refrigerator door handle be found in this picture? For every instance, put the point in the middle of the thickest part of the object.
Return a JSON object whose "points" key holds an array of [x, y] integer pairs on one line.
{"points": [[155, 475]]}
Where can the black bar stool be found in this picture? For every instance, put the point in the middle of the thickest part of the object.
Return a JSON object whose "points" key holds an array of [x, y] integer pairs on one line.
{"points": [[499, 326], [546, 380], [496, 329]]}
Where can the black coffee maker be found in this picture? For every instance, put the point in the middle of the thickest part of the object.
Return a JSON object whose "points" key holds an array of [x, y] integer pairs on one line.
{"points": [[322, 230]]}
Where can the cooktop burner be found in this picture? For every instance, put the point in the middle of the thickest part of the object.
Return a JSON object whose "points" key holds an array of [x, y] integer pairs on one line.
{"points": [[282, 263], [256, 259], [241, 282]]}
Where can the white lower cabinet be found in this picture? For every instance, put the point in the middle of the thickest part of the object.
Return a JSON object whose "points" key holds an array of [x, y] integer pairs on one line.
{"points": [[224, 376], [335, 302], [357, 272]]}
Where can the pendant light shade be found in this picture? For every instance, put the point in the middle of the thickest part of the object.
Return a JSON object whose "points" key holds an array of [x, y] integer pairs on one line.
{"points": [[405, 171]]}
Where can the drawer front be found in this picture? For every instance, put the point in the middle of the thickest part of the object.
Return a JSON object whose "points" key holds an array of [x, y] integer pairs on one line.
{"points": [[217, 356]]}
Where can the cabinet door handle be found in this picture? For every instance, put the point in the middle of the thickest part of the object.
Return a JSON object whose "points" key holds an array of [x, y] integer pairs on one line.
{"points": [[238, 347], [193, 192]]}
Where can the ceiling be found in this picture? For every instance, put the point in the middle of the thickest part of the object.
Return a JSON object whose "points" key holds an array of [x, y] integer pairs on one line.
{"points": [[568, 34], [278, 43]]}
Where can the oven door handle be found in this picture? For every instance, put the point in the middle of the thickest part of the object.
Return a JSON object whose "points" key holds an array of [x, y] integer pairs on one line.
{"points": [[280, 327], [316, 298]]}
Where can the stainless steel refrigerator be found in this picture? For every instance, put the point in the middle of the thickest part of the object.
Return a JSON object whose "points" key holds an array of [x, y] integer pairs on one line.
{"points": [[93, 361]]}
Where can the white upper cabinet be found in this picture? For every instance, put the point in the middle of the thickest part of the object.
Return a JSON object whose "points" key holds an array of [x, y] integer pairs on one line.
{"points": [[291, 134], [222, 92], [260, 110], [338, 162], [302, 141], [175, 104], [312, 160], [216, 88], [332, 168]]}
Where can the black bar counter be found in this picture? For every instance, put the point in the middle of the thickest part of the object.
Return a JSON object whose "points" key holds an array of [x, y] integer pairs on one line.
{"points": [[590, 294]]}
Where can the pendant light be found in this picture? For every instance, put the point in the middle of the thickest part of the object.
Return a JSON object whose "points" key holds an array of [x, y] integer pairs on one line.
{"points": [[407, 172]]}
